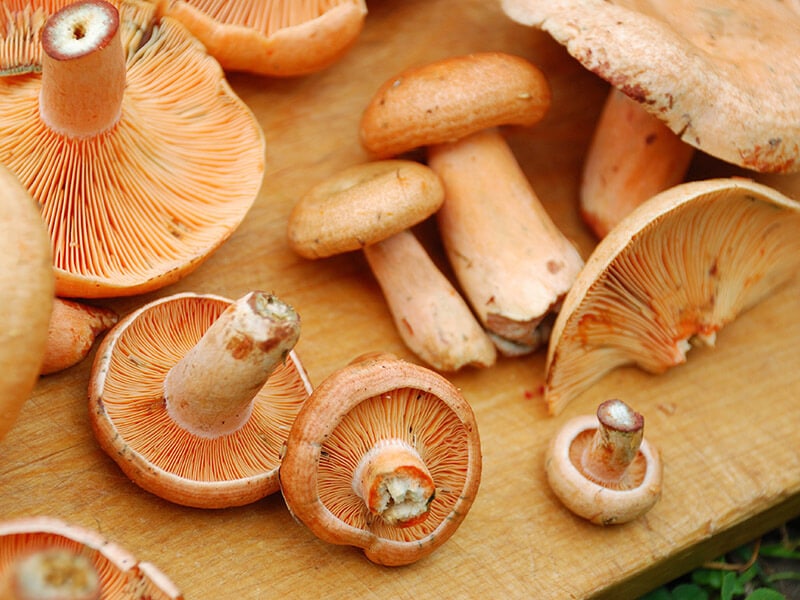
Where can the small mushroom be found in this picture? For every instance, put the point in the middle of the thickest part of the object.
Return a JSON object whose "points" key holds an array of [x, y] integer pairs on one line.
{"points": [[511, 260], [384, 456], [670, 275], [26, 296], [602, 468], [193, 396], [140, 155], [46, 558], [371, 206], [279, 39]]}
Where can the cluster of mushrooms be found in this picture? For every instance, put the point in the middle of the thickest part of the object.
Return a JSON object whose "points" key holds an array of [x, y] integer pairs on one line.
{"points": [[399, 487]]}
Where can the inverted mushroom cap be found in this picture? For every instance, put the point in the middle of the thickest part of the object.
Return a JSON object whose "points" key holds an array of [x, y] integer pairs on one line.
{"points": [[145, 202], [676, 270], [723, 75], [148, 430], [121, 576], [381, 400], [280, 39], [446, 100]]}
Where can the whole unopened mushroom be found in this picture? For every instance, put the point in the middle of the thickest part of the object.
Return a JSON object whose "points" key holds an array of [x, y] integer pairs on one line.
{"points": [[670, 275], [46, 558], [193, 396], [384, 456], [602, 468], [280, 39], [372, 206], [26, 296], [511, 260], [141, 156]]}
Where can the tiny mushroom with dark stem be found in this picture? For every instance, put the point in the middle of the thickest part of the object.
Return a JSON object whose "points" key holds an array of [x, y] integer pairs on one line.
{"points": [[510, 259], [384, 456], [44, 558], [193, 396], [602, 468], [668, 276], [722, 75], [372, 206], [142, 158]]}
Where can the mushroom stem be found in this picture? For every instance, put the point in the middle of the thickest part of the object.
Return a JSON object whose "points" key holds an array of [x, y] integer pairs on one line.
{"points": [[394, 483], [209, 391], [55, 574], [83, 70], [633, 156], [615, 443]]}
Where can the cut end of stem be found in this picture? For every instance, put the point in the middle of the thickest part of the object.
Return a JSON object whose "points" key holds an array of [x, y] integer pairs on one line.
{"points": [[80, 29], [55, 574]]}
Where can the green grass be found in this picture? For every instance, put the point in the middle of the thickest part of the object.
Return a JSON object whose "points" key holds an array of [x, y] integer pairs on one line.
{"points": [[765, 569]]}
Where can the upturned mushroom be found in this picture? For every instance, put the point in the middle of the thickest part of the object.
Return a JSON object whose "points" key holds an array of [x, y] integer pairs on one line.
{"points": [[372, 207], [142, 158], [668, 276], [193, 396], [278, 39], [510, 259], [44, 557], [26, 296], [601, 467], [384, 456]]}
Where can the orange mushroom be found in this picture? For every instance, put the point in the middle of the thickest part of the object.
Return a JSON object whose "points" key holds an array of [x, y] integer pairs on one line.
{"points": [[142, 158], [193, 396], [280, 39], [385, 456], [44, 557]]}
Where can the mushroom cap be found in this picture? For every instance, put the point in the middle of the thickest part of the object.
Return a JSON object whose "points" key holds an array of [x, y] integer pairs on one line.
{"points": [[131, 423], [279, 39], [122, 576], [722, 74], [600, 504], [145, 203], [380, 397], [26, 299], [446, 100], [675, 270], [361, 205]]}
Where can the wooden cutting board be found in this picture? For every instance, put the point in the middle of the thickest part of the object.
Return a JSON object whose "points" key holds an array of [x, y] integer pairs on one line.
{"points": [[726, 422]]}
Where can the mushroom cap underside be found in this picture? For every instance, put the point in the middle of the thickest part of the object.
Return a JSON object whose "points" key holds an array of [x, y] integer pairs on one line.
{"points": [[143, 204], [676, 270], [722, 74], [373, 399], [131, 423]]}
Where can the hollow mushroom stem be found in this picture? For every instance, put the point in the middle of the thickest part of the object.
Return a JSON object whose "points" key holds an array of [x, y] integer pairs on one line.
{"points": [[615, 443], [54, 574], [394, 483], [209, 391], [83, 70]]}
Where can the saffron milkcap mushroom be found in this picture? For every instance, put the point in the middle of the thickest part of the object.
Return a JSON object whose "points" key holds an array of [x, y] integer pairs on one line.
{"points": [[44, 557], [602, 468], [26, 299], [193, 396], [279, 39], [669, 276], [384, 456], [372, 207], [140, 155], [510, 259]]}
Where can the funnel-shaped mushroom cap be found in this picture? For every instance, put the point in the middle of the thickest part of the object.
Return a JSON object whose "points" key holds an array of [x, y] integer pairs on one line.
{"points": [[379, 399], [722, 74], [279, 39], [188, 463], [677, 269], [142, 204], [121, 576]]}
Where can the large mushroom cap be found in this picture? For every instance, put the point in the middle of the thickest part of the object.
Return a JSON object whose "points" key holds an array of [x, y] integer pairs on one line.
{"points": [[144, 203], [676, 270], [723, 74]]}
